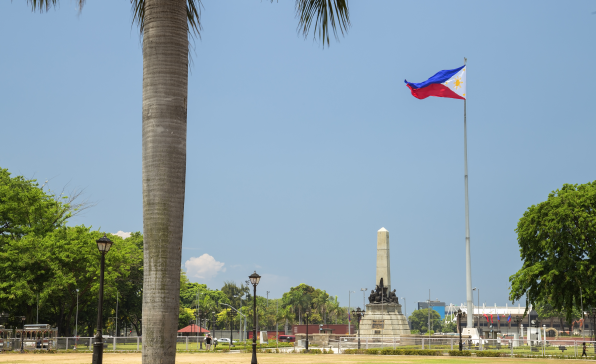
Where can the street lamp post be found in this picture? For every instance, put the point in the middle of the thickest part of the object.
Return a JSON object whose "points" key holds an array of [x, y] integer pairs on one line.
{"points": [[359, 314], [459, 314], [231, 315], [306, 315], [23, 335], [254, 279], [103, 244]]}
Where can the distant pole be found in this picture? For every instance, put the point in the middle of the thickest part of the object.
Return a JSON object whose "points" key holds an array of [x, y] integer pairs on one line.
{"points": [[37, 319], [428, 308], [470, 299], [349, 317], [583, 325], [116, 313], [77, 316]]}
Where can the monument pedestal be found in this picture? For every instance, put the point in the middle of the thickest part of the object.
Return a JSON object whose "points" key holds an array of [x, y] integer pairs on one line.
{"points": [[384, 320]]}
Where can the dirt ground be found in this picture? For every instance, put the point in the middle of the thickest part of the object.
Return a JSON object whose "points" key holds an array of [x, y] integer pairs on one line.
{"points": [[262, 358]]}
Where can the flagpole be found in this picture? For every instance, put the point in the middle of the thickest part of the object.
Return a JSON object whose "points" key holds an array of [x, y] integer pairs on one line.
{"points": [[470, 317]]}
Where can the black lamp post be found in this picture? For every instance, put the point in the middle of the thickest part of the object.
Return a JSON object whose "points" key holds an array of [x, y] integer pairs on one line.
{"points": [[231, 315], [306, 316], [254, 279], [23, 335], [103, 244], [460, 315], [359, 314]]}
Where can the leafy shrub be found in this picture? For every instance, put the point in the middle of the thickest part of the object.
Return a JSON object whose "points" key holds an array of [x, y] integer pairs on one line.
{"points": [[389, 351], [488, 353], [372, 351], [460, 353], [314, 351], [420, 352], [354, 351]]}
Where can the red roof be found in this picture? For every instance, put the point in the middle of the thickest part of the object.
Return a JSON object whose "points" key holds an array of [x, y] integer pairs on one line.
{"points": [[193, 328]]}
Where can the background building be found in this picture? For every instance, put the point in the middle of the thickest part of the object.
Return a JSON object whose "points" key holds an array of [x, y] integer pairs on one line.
{"points": [[435, 305]]}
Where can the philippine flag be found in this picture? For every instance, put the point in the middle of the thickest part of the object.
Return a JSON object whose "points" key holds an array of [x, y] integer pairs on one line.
{"points": [[446, 83]]}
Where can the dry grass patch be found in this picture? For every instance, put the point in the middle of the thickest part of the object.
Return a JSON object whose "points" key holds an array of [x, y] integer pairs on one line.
{"points": [[220, 358]]}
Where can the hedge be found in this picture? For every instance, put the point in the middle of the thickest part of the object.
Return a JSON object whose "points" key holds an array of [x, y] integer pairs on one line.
{"points": [[460, 353], [390, 351], [488, 353]]}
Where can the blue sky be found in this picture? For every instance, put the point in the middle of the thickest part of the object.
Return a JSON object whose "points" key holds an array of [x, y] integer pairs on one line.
{"points": [[297, 154]]}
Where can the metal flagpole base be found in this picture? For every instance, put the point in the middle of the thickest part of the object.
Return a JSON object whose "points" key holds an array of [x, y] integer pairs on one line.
{"points": [[97, 352]]}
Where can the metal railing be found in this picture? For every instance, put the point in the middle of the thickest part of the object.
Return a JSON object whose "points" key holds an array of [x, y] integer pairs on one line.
{"points": [[571, 347]]}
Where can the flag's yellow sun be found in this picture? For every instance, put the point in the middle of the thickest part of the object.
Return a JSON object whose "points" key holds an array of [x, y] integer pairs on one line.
{"points": [[458, 83]]}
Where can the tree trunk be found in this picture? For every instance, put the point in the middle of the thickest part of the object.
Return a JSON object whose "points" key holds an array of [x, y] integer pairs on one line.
{"points": [[165, 89]]}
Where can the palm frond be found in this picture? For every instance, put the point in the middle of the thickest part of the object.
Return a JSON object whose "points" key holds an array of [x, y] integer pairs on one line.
{"points": [[193, 13], [45, 5], [320, 14]]}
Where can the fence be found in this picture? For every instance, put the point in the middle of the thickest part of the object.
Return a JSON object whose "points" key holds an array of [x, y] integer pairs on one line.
{"points": [[522, 347], [571, 347], [132, 343]]}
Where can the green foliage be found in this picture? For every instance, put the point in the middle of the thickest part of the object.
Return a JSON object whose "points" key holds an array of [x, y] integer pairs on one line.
{"points": [[419, 320], [391, 351], [483, 353], [54, 266], [557, 240], [449, 327], [460, 353], [234, 293], [25, 208]]}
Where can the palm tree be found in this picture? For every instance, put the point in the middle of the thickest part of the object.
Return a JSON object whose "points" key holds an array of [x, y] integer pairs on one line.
{"points": [[333, 307], [165, 27]]}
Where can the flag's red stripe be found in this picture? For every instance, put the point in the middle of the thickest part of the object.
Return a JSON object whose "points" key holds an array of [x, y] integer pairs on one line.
{"points": [[435, 89]]}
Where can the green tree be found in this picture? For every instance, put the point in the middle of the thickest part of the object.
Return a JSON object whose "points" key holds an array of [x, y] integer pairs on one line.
{"points": [[165, 27], [419, 320], [235, 293], [130, 310], [449, 327], [557, 240], [25, 208], [53, 266]]}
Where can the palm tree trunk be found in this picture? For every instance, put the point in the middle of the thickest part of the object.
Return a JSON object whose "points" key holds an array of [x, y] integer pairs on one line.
{"points": [[165, 89]]}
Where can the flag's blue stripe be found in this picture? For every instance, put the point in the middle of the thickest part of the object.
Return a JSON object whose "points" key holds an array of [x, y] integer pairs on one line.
{"points": [[439, 77]]}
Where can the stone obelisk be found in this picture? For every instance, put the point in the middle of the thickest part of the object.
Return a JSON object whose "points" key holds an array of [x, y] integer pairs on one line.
{"points": [[383, 317], [383, 264]]}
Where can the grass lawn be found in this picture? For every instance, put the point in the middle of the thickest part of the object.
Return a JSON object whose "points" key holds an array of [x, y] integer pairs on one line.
{"points": [[263, 358]]}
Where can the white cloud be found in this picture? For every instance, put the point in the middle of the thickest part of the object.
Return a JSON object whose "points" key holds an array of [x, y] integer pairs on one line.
{"points": [[122, 234], [204, 267]]}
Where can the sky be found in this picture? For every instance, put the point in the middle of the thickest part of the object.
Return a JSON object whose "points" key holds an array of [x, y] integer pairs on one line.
{"points": [[298, 153]]}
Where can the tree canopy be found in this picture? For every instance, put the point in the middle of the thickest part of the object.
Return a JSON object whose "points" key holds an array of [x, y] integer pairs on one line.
{"points": [[419, 320], [557, 240]]}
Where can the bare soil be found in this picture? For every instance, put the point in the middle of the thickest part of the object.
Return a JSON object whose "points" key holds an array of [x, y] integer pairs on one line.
{"points": [[232, 358]]}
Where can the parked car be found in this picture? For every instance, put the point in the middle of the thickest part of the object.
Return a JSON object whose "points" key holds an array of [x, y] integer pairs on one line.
{"points": [[287, 338], [223, 340]]}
